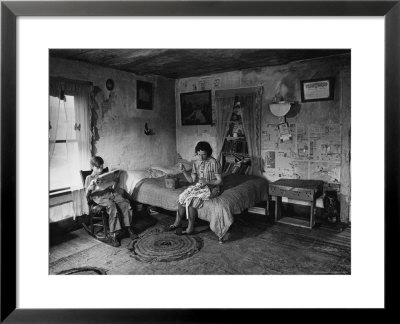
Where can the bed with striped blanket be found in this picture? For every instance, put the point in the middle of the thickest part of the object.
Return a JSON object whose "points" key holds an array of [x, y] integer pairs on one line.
{"points": [[240, 192]]}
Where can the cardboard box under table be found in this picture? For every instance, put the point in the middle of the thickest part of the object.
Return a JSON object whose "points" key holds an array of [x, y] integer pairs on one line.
{"points": [[304, 192]]}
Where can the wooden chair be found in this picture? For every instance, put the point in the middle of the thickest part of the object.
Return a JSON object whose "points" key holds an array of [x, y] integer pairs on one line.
{"points": [[98, 217]]}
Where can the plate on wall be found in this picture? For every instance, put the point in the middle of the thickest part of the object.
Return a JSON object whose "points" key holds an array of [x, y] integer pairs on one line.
{"points": [[110, 84]]}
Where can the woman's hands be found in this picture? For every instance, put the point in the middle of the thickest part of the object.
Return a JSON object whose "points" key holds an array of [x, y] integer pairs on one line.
{"points": [[182, 167], [202, 182], [189, 178]]}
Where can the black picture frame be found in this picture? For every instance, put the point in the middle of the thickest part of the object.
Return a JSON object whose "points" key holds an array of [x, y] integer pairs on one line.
{"points": [[196, 108], [11, 10], [317, 89], [144, 95]]}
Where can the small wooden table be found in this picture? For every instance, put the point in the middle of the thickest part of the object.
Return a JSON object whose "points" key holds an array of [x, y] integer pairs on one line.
{"points": [[306, 191]]}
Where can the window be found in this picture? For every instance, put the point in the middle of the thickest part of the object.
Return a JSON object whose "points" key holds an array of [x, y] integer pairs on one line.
{"points": [[64, 150], [69, 133]]}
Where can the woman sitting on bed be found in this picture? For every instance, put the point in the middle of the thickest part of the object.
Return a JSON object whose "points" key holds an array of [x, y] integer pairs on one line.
{"points": [[206, 174]]}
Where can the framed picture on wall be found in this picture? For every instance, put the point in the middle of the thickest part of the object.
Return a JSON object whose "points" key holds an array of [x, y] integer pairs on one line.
{"points": [[196, 108], [144, 95], [317, 89]]}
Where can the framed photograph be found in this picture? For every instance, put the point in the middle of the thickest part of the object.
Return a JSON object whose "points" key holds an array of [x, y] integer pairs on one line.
{"points": [[196, 108], [83, 306], [317, 89], [144, 95]]}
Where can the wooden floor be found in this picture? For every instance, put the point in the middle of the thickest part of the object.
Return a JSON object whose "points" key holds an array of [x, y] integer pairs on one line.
{"points": [[256, 246]]}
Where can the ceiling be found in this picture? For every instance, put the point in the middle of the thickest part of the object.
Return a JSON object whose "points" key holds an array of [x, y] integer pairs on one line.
{"points": [[182, 63]]}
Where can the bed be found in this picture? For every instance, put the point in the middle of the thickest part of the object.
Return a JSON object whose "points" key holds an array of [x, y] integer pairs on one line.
{"points": [[240, 192]]}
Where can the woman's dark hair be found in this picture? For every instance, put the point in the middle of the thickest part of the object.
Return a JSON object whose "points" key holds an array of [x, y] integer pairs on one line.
{"points": [[96, 161], [203, 146]]}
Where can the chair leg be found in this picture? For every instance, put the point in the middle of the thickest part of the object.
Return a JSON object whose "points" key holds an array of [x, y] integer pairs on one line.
{"points": [[91, 224], [90, 227], [278, 208]]}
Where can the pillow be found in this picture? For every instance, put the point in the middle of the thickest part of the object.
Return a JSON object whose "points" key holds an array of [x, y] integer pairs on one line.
{"points": [[166, 169], [155, 173]]}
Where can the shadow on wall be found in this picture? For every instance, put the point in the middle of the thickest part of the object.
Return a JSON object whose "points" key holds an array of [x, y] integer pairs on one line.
{"points": [[294, 110]]}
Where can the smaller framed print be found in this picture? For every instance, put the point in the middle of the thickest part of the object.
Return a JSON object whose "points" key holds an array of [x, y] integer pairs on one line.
{"points": [[144, 95], [317, 89], [196, 108]]}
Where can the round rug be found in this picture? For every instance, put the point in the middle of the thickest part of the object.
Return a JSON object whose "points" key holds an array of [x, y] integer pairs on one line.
{"points": [[165, 247], [83, 271]]}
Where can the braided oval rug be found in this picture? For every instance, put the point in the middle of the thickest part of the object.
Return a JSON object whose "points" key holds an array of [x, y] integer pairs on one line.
{"points": [[157, 245]]}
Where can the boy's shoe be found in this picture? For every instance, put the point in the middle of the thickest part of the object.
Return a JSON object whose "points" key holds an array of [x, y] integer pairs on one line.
{"points": [[114, 241]]}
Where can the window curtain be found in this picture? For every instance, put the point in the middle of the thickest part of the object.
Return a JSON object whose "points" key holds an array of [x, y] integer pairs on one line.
{"points": [[251, 114], [71, 143], [224, 112], [79, 203], [55, 106], [78, 135], [83, 135], [82, 127]]}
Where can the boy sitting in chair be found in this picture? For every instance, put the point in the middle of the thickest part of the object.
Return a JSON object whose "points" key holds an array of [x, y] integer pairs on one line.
{"points": [[111, 199]]}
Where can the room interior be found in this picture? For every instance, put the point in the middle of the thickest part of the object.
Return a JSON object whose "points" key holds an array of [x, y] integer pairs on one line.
{"points": [[139, 120]]}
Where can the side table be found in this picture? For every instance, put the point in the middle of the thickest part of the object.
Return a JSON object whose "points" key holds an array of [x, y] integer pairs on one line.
{"points": [[307, 191]]}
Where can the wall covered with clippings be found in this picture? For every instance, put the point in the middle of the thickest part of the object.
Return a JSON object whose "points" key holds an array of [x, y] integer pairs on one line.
{"points": [[319, 143]]}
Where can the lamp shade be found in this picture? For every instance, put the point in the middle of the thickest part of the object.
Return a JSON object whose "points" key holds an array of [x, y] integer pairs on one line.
{"points": [[280, 109]]}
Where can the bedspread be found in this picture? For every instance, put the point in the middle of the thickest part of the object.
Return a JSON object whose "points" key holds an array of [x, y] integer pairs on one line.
{"points": [[239, 193]]}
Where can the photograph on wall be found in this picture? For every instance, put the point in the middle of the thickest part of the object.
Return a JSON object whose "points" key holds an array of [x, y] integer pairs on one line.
{"points": [[196, 108], [144, 92]]}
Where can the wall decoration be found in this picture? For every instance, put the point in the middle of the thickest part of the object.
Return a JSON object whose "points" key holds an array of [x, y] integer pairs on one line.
{"points": [[147, 130], [317, 89], [196, 108], [110, 84], [270, 159], [144, 95], [325, 142], [284, 132], [271, 139], [303, 144]]}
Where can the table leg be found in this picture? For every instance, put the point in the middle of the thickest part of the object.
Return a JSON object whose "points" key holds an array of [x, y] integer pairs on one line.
{"points": [[312, 214], [278, 205]]}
